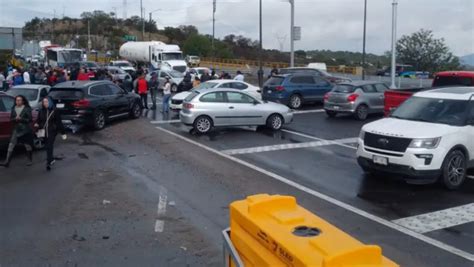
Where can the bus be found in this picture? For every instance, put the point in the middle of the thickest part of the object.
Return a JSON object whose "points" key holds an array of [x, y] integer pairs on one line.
{"points": [[63, 57]]}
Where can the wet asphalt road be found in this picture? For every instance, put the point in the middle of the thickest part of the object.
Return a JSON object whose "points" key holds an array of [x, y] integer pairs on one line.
{"points": [[136, 195]]}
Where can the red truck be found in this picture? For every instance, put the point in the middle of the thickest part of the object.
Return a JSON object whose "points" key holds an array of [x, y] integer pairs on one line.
{"points": [[394, 98]]}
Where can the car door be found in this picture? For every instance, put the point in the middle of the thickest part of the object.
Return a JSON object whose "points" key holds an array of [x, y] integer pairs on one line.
{"points": [[322, 87], [105, 98], [305, 85], [372, 97], [470, 132], [6, 104], [214, 104], [119, 100], [244, 109], [380, 88]]}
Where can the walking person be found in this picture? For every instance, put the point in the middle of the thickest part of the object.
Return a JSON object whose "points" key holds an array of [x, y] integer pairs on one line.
{"points": [[166, 94], [142, 87], [153, 86], [196, 82], [22, 131], [49, 125], [239, 76]]}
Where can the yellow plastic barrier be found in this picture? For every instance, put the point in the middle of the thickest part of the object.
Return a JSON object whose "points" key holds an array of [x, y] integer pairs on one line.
{"points": [[274, 231]]}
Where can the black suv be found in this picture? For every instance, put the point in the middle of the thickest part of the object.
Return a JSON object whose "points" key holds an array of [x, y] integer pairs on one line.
{"points": [[94, 103]]}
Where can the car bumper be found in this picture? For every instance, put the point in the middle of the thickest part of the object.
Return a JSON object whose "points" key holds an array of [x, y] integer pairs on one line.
{"points": [[187, 118], [80, 119], [175, 106], [277, 99], [340, 107], [288, 117]]}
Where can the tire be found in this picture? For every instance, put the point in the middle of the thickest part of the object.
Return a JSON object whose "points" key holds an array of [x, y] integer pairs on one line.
{"points": [[454, 169], [202, 124], [136, 111], [295, 102], [99, 120], [331, 114], [174, 88], [275, 122], [361, 112]]}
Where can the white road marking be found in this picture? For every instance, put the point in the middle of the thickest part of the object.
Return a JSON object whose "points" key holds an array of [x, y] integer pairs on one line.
{"points": [[163, 198], [389, 224], [165, 121], [470, 177], [159, 226], [308, 111], [317, 138], [260, 149], [437, 220]]}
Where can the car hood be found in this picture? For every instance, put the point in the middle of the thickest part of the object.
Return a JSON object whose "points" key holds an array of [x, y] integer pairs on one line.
{"points": [[408, 129], [128, 68], [181, 96], [174, 63], [276, 106]]}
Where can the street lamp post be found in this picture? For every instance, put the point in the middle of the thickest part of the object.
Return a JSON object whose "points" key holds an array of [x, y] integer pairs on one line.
{"points": [[260, 70], [292, 33], [364, 40], [394, 41], [149, 33], [143, 20]]}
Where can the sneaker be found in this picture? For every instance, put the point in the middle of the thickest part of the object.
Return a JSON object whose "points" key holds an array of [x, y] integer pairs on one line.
{"points": [[52, 162]]}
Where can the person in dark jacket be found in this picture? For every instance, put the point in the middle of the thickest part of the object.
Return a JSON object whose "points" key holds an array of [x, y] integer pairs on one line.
{"points": [[153, 87], [127, 84], [49, 120], [22, 132]]}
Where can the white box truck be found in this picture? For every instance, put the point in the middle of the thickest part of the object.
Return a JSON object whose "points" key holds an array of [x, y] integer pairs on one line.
{"points": [[158, 54]]}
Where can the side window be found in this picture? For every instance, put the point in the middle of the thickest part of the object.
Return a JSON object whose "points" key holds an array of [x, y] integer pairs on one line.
{"points": [[234, 97], [43, 93], [217, 97], [380, 87], [321, 82], [302, 80], [162, 74], [114, 89], [226, 85], [8, 103], [239, 86], [100, 90], [95, 90], [369, 89]]}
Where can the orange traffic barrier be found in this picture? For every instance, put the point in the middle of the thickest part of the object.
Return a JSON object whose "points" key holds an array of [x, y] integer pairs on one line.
{"points": [[275, 231]]}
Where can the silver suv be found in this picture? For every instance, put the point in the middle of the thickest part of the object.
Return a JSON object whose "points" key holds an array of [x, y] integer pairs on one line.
{"points": [[359, 98]]}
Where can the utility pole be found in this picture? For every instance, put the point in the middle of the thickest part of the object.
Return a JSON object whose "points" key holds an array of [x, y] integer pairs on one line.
{"points": [[394, 42], [89, 42], [143, 20], [213, 29], [364, 40], [292, 33], [260, 70]]}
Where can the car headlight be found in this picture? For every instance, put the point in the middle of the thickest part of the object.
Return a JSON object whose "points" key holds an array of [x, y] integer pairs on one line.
{"points": [[362, 134], [425, 143]]}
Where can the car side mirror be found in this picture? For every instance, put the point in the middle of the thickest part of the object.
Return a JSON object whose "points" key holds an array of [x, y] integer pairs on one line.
{"points": [[256, 102], [470, 122]]}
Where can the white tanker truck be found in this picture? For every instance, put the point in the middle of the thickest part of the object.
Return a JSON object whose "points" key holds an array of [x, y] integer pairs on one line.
{"points": [[158, 54]]}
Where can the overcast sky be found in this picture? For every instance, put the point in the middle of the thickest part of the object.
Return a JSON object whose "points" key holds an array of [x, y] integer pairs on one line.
{"points": [[326, 24]]}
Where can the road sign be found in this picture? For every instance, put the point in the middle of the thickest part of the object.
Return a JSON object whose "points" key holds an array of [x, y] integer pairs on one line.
{"points": [[296, 33], [130, 38]]}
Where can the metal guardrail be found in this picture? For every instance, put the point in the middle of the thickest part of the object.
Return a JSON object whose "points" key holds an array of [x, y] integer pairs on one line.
{"points": [[230, 251]]}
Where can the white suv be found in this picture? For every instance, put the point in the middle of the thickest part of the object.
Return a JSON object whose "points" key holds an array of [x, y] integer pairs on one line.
{"points": [[429, 137]]}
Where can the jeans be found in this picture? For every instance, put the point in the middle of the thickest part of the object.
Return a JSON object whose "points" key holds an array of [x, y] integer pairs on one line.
{"points": [[166, 99], [144, 100], [50, 147]]}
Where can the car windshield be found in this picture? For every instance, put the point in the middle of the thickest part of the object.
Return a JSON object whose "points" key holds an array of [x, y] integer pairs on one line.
{"points": [[30, 94], [176, 74], [344, 88], [206, 85], [433, 110], [172, 56]]}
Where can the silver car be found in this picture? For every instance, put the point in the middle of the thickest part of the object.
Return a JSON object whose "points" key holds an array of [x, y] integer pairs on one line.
{"points": [[359, 98], [34, 93], [118, 73], [208, 108]]}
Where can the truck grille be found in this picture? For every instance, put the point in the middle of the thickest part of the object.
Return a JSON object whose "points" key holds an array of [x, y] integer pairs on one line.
{"points": [[384, 142], [180, 68]]}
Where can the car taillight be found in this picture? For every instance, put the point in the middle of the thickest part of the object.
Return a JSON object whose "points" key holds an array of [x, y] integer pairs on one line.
{"points": [[352, 97], [188, 106], [326, 97], [279, 88], [83, 103]]}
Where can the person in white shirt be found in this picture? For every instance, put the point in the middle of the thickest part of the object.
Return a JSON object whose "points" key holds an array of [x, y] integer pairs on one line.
{"points": [[239, 76], [166, 94], [26, 77], [2, 81]]}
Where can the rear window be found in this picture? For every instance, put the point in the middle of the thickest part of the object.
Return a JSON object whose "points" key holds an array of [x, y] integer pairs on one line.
{"points": [[341, 88], [191, 96], [302, 80], [66, 93], [452, 81], [30, 94], [273, 81]]}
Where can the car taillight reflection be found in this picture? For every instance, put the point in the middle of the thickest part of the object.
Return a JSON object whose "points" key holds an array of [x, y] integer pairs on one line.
{"points": [[326, 97], [83, 103], [352, 97], [279, 88], [188, 106]]}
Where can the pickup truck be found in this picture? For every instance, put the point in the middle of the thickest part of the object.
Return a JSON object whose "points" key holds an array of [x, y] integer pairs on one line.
{"points": [[394, 98]]}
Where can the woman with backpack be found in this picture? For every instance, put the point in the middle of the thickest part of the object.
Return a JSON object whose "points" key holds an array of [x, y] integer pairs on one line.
{"points": [[49, 125]]}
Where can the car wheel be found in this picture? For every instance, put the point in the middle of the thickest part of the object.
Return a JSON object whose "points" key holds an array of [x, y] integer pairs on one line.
{"points": [[38, 143], [454, 169], [202, 124], [174, 88], [331, 114], [136, 111], [295, 102], [275, 122], [99, 120], [361, 112]]}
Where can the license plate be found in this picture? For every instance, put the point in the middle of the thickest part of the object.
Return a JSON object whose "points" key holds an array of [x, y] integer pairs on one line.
{"points": [[60, 105], [269, 91], [380, 160], [336, 107], [67, 121]]}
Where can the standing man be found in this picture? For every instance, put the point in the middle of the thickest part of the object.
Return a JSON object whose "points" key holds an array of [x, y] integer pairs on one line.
{"points": [[239, 76], [26, 77], [153, 85], [142, 87], [166, 94]]}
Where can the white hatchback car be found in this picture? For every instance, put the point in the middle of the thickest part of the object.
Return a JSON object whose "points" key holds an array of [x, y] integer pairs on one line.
{"points": [[176, 102], [430, 137]]}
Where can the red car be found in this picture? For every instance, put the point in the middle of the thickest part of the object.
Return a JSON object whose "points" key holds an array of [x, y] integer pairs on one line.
{"points": [[6, 126]]}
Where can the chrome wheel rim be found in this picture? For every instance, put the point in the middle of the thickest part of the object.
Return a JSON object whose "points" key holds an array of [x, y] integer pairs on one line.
{"points": [[295, 102], [456, 170], [276, 122], [137, 111], [362, 112], [100, 120], [203, 125]]}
